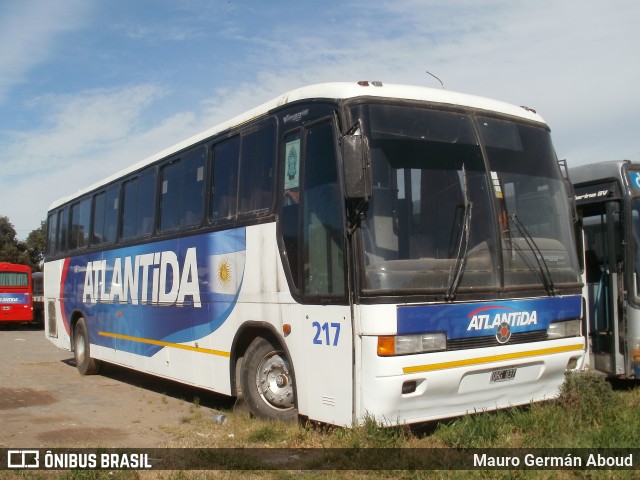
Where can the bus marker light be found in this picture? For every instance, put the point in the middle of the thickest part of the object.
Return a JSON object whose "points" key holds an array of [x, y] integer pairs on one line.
{"points": [[286, 329], [366, 83], [386, 346]]}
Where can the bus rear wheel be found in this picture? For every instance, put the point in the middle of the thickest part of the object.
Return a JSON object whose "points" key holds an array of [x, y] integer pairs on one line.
{"points": [[267, 382], [82, 351]]}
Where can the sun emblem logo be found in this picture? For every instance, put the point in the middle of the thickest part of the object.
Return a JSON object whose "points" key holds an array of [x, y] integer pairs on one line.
{"points": [[224, 273], [504, 332]]}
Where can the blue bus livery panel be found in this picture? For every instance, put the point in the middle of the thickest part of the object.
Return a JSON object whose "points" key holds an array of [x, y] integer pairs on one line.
{"points": [[14, 298], [172, 291], [502, 318]]}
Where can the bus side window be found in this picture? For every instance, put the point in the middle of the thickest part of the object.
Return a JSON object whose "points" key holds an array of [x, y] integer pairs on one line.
{"points": [[170, 195], [181, 192], [225, 179], [191, 203], [129, 209], [63, 226], [110, 232], [98, 218], [256, 170], [139, 205], [81, 224], [105, 216], [146, 203], [52, 233]]}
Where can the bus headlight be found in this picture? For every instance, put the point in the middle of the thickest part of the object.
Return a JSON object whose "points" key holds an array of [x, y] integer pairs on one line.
{"points": [[407, 344], [570, 328]]}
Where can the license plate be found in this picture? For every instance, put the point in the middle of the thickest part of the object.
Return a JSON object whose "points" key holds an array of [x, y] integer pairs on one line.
{"points": [[503, 375]]}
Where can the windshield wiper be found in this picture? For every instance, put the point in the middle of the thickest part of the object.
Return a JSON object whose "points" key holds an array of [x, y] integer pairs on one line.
{"points": [[463, 241], [542, 263]]}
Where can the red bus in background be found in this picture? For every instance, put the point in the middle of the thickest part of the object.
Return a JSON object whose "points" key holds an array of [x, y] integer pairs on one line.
{"points": [[16, 296]]}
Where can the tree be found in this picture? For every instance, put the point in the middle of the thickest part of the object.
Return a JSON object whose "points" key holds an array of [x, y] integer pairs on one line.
{"points": [[10, 248], [29, 252], [35, 245]]}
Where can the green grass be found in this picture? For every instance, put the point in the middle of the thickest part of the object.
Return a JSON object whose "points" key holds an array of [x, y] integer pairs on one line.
{"points": [[588, 414]]}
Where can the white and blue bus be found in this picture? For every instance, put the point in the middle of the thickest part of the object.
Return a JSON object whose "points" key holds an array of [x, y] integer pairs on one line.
{"points": [[608, 203], [343, 251]]}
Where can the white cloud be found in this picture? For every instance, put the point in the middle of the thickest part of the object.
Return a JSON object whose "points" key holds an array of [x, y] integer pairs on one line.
{"points": [[80, 125], [28, 33], [86, 137]]}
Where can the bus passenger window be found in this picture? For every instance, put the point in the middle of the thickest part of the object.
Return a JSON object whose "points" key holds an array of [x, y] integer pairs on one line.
{"points": [[256, 170], [146, 203], [225, 179], [181, 190], [52, 233], [192, 190], [139, 205], [129, 210], [63, 225], [110, 231], [170, 196], [80, 224], [98, 219]]}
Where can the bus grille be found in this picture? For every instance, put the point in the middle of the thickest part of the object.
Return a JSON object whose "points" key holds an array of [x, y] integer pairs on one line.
{"points": [[491, 341]]}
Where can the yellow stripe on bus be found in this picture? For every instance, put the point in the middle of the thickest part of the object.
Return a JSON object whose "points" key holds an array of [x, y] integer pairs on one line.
{"points": [[493, 358], [165, 344]]}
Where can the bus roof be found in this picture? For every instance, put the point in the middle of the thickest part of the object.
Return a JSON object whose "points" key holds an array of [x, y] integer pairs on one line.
{"points": [[14, 267], [329, 91], [593, 172]]}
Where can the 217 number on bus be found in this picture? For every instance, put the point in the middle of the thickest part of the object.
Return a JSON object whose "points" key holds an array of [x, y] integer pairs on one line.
{"points": [[326, 333]]}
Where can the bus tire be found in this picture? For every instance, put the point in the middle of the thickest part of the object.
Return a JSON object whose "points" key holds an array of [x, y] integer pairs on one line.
{"points": [[82, 351], [267, 382]]}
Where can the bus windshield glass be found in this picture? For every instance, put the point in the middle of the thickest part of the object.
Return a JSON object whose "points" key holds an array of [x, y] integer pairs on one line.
{"points": [[463, 204]]}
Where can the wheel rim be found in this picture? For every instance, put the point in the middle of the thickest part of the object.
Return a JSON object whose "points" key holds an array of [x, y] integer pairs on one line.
{"points": [[274, 381]]}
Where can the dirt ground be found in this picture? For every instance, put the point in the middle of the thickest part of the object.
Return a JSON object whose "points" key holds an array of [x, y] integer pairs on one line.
{"points": [[45, 402]]}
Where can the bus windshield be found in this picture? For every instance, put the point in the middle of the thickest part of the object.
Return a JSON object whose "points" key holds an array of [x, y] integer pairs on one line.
{"points": [[14, 279], [463, 204]]}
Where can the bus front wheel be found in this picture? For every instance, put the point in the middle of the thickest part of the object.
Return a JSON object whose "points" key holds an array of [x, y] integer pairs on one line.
{"points": [[267, 382], [81, 349]]}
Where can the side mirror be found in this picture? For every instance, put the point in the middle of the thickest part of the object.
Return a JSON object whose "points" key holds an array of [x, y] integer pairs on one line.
{"points": [[356, 161]]}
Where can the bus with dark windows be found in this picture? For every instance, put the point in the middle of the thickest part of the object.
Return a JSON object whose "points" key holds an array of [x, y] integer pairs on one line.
{"points": [[607, 197], [345, 250]]}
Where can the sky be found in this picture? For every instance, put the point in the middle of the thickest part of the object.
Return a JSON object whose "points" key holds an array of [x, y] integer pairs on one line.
{"points": [[88, 87]]}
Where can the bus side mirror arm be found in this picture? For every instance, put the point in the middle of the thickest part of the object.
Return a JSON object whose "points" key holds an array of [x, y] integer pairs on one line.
{"points": [[356, 162], [564, 171]]}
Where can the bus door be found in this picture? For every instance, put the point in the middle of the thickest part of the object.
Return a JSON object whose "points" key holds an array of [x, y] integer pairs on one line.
{"points": [[313, 234], [604, 277]]}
